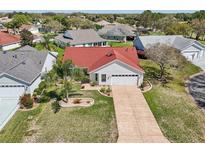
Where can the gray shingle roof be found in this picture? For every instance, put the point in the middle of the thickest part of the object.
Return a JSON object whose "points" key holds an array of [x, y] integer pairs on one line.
{"points": [[27, 48], [81, 36], [23, 65], [116, 30], [176, 41]]}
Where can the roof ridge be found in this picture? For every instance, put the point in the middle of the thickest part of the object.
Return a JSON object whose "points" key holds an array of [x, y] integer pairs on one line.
{"points": [[15, 65]]}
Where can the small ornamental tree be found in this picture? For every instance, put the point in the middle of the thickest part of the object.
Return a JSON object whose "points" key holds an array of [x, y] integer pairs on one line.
{"points": [[26, 37]]}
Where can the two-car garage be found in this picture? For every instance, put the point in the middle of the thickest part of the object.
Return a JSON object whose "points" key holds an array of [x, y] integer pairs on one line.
{"points": [[124, 79]]}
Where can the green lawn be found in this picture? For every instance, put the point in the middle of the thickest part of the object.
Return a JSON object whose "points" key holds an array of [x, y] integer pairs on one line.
{"points": [[176, 113], [120, 44], [92, 124]]}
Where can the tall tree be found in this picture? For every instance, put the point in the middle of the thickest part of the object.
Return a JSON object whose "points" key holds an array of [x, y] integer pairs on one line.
{"points": [[55, 25], [179, 29], [198, 28], [26, 37]]}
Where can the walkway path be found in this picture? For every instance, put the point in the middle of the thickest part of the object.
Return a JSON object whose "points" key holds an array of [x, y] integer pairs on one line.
{"points": [[135, 121]]}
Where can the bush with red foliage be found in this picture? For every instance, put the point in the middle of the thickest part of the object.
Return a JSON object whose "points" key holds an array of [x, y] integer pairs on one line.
{"points": [[26, 101]]}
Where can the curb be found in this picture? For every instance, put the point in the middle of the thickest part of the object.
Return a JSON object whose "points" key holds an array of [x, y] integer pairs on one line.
{"points": [[144, 91]]}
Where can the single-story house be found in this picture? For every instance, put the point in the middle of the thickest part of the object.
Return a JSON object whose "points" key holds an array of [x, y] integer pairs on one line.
{"points": [[80, 38], [20, 72], [8, 41], [189, 48], [118, 32], [32, 28], [108, 65]]}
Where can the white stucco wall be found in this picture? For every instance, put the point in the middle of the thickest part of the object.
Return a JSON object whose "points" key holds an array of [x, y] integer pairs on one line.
{"points": [[48, 65], [34, 85], [11, 46], [115, 68]]}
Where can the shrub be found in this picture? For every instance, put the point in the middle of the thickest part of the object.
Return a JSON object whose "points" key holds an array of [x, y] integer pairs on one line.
{"points": [[77, 101], [55, 107], [40, 88], [93, 83], [44, 99], [103, 89], [85, 80], [26, 101], [108, 90]]}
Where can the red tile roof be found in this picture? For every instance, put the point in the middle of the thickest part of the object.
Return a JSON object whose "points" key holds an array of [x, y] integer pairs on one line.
{"points": [[95, 57], [6, 39]]}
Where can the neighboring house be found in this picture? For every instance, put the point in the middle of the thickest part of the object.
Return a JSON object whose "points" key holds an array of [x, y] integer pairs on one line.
{"points": [[189, 48], [20, 72], [24, 66], [4, 20], [32, 28], [8, 41], [108, 65], [80, 38], [119, 32], [103, 23]]}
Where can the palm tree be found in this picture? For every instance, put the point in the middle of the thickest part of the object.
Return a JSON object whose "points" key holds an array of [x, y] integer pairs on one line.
{"points": [[46, 42], [77, 73], [67, 89]]}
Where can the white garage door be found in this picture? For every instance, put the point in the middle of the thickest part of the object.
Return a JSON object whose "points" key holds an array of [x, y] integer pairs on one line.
{"points": [[124, 79], [11, 91]]}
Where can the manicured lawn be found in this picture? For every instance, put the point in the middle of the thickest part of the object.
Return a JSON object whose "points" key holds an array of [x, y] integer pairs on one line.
{"points": [[92, 124], [176, 113], [16, 128], [120, 44]]}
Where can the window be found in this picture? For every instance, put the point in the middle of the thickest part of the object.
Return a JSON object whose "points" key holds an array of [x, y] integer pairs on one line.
{"points": [[103, 77], [96, 77]]}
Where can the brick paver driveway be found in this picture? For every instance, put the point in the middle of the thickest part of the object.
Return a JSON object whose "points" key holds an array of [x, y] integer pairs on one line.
{"points": [[135, 121]]}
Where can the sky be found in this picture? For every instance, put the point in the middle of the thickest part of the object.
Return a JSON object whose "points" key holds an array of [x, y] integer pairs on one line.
{"points": [[102, 11]]}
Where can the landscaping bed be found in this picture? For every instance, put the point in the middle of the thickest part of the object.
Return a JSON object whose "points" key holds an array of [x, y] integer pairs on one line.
{"points": [[77, 102]]}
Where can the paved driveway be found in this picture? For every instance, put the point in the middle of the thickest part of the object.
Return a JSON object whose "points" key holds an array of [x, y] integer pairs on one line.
{"points": [[196, 88], [135, 121]]}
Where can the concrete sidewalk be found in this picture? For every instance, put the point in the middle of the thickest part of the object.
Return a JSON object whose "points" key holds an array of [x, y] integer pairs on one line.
{"points": [[135, 120]]}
